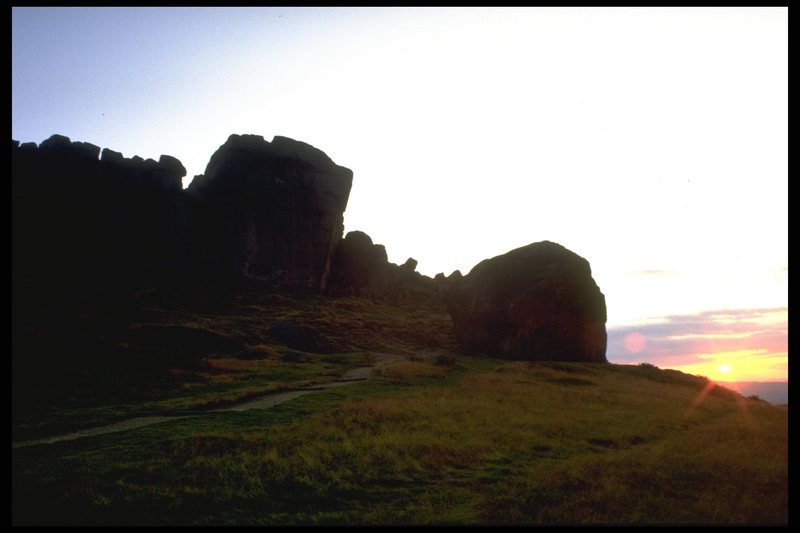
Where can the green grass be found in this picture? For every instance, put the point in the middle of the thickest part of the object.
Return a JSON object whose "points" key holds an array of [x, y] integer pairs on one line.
{"points": [[435, 438], [220, 383], [82, 371], [469, 441]]}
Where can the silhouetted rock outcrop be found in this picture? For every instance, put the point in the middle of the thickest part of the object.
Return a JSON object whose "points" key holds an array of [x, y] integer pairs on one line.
{"points": [[272, 211], [361, 267], [85, 219], [538, 302], [79, 221], [357, 264]]}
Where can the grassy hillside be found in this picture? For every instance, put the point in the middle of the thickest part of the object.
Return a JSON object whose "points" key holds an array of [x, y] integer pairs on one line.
{"points": [[91, 364], [435, 438]]}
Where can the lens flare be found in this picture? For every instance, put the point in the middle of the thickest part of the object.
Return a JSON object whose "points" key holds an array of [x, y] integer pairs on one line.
{"points": [[635, 342]]}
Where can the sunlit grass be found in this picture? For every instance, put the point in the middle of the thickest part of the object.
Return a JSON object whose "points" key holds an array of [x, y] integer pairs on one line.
{"points": [[484, 442], [221, 382], [434, 438], [64, 390]]}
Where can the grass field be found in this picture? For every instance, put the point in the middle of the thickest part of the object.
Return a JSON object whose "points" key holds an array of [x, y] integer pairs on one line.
{"points": [[86, 371], [484, 442], [435, 438]]}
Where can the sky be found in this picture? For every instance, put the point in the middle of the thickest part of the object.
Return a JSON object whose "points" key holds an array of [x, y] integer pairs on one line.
{"points": [[651, 141]]}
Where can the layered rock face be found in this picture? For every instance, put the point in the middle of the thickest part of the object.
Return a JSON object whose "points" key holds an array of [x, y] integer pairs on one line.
{"points": [[357, 263], [271, 210], [538, 302], [80, 216], [363, 268], [87, 221]]}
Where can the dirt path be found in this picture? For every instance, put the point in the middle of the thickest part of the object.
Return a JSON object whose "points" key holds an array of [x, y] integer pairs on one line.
{"points": [[355, 375]]}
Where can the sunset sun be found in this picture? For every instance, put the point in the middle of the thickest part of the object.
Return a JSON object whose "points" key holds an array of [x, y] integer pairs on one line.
{"points": [[724, 368]]}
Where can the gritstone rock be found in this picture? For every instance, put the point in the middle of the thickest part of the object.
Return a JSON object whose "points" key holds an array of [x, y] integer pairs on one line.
{"points": [[357, 264], [271, 211], [83, 223], [538, 302], [361, 267]]}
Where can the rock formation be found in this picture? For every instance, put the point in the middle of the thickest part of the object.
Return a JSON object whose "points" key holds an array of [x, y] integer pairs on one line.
{"points": [[538, 302], [271, 210], [363, 268], [87, 219], [357, 264], [78, 220]]}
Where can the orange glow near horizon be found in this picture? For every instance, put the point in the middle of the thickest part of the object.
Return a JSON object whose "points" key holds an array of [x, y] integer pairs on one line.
{"points": [[742, 365], [729, 345]]}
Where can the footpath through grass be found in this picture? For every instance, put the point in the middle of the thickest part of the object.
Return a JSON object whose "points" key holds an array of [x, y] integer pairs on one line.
{"points": [[436, 441], [91, 367]]}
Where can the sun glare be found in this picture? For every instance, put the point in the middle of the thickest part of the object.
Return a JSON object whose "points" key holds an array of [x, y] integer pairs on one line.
{"points": [[741, 365]]}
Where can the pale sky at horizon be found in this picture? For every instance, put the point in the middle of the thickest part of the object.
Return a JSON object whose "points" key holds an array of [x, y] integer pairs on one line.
{"points": [[651, 141]]}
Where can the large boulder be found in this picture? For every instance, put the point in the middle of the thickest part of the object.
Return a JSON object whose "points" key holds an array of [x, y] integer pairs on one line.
{"points": [[538, 302], [362, 268], [271, 210], [357, 264]]}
